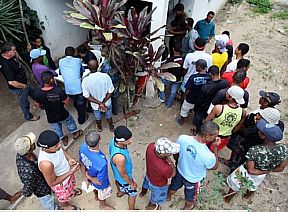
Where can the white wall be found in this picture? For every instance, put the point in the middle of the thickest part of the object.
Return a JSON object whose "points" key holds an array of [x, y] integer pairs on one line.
{"points": [[58, 34]]}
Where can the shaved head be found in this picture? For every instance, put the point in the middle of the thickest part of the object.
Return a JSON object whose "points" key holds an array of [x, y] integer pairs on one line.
{"points": [[93, 65], [92, 138]]}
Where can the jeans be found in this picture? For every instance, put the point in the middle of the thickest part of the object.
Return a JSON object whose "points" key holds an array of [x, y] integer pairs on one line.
{"points": [[79, 103], [158, 194], [47, 202], [68, 122], [114, 100], [23, 100], [108, 113], [173, 89]]}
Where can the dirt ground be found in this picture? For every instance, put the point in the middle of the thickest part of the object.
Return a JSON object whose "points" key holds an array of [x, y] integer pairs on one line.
{"points": [[268, 52]]}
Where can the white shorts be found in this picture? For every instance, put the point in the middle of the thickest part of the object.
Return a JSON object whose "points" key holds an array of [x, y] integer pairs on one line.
{"points": [[234, 183], [185, 108], [104, 193]]}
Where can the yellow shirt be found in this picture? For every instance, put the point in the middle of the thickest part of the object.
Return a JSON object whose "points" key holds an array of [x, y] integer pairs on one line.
{"points": [[219, 59]]}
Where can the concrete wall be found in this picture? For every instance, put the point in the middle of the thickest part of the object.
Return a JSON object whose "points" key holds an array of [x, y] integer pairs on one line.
{"points": [[58, 33]]}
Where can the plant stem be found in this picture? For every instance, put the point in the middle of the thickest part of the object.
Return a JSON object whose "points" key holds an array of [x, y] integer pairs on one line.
{"points": [[22, 22], [227, 195]]}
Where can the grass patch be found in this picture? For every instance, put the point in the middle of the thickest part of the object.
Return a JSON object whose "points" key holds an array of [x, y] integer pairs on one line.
{"points": [[281, 15], [261, 6], [235, 1]]}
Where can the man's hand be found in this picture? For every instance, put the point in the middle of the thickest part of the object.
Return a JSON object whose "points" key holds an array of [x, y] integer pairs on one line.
{"points": [[72, 162], [29, 47], [75, 168], [217, 142], [103, 107], [133, 185]]}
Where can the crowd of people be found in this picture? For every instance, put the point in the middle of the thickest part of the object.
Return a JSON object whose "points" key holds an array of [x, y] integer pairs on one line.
{"points": [[212, 86]]}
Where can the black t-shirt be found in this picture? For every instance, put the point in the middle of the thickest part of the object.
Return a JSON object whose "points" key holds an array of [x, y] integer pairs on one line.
{"points": [[207, 93], [52, 101], [89, 56], [194, 84], [179, 24], [12, 71], [177, 72], [220, 98]]}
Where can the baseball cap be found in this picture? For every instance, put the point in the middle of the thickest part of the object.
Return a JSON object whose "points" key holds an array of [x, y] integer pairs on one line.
{"points": [[202, 63], [221, 41], [271, 115], [272, 132], [236, 93], [47, 139], [22, 145], [165, 146], [35, 53], [122, 133], [272, 97]]}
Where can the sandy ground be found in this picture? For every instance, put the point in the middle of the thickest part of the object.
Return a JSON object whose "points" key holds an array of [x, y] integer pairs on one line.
{"points": [[268, 71]]}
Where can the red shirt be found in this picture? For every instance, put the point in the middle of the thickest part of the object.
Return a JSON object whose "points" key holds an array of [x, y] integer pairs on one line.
{"points": [[228, 76], [158, 170]]}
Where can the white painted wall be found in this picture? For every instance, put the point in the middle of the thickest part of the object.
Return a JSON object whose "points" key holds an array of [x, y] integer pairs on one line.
{"points": [[58, 34]]}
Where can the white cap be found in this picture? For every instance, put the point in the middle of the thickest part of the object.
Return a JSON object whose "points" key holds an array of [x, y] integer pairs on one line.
{"points": [[237, 93]]}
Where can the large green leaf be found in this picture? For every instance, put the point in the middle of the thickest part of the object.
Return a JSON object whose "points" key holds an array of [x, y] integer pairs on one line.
{"points": [[78, 16], [159, 84], [168, 76], [160, 51], [87, 25], [169, 65], [119, 26]]}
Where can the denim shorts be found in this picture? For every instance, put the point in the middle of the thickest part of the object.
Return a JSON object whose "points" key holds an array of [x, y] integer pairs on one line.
{"points": [[47, 202], [126, 188], [190, 189], [158, 194], [108, 113]]}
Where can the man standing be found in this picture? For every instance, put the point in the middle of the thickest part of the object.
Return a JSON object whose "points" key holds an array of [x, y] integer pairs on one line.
{"points": [[159, 168], [121, 164], [219, 54], [98, 89], [54, 163], [206, 27], [194, 159], [16, 79], [71, 69], [94, 167], [29, 173], [190, 37], [240, 51]]}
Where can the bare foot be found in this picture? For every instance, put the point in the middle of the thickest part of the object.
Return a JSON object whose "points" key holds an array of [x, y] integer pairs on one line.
{"points": [[15, 197], [120, 194], [143, 193]]}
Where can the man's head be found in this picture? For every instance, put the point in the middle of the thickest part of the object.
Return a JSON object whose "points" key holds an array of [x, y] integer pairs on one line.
{"points": [[82, 50], [69, 51], [49, 141], [200, 65], [37, 41], [93, 65], [25, 144], [8, 50], [37, 54], [239, 77], [268, 99], [92, 139], [199, 44], [47, 77], [243, 64], [271, 115], [210, 16], [221, 42], [269, 132], [189, 23], [122, 135], [236, 94], [209, 131], [164, 147], [226, 33], [242, 49], [179, 9], [214, 72]]}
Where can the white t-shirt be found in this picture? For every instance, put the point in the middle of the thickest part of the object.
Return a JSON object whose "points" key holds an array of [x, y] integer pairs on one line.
{"points": [[193, 57], [97, 85], [194, 159], [232, 66]]}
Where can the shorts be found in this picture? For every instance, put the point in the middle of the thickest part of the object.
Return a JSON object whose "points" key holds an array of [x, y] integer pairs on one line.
{"points": [[126, 188], [235, 184], [108, 113], [185, 108], [191, 190], [65, 190], [104, 193], [158, 194]]}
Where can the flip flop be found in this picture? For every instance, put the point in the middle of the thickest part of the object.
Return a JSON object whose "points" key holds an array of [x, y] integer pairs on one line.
{"points": [[99, 128], [112, 128], [65, 140], [120, 194], [77, 192], [79, 133]]}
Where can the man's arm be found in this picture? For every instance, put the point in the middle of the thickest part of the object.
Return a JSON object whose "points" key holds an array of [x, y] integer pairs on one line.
{"points": [[70, 160], [215, 111], [281, 166], [212, 33], [215, 145], [241, 122], [252, 170], [17, 84], [171, 163], [108, 96], [186, 93]]}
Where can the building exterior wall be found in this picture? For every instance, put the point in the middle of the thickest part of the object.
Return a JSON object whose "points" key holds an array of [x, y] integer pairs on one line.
{"points": [[58, 34]]}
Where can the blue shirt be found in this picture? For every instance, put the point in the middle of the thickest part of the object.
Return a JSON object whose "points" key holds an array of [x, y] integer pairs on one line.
{"points": [[194, 159], [96, 165], [71, 69], [113, 150], [205, 29]]}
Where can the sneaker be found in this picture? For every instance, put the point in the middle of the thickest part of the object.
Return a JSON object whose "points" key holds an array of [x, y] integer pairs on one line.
{"points": [[162, 101], [34, 118]]}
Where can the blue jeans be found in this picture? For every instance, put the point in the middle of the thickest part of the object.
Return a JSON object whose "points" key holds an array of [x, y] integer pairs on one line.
{"points": [[108, 113], [173, 89], [47, 202], [158, 194], [68, 122], [22, 95]]}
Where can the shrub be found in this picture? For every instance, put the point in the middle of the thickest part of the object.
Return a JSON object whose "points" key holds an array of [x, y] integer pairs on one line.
{"points": [[261, 6]]}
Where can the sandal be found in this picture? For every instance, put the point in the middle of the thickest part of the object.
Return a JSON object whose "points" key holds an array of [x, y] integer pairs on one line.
{"points": [[77, 192], [99, 128], [120, 194], [112, 128], [34, 118], [224, 161], [65, 140], [77, 134], [177, 120]]}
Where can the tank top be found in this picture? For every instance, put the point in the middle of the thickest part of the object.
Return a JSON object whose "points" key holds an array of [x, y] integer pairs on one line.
{"points": [[113, 150], [58, 159], [228, 119]]}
